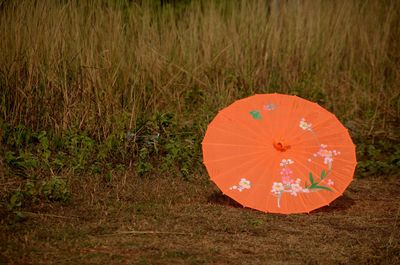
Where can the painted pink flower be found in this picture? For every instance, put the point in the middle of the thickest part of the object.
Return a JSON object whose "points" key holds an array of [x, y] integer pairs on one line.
{"points": [[328, 160], [325, 153], [330, 182], [287, 180], [286, 171]]}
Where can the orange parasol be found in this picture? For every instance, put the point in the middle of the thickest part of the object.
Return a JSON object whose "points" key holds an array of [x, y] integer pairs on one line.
{"points": [[279, 153]]}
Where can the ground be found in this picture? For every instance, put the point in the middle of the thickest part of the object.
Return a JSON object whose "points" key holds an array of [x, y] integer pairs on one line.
{"points": [[173, 221]]}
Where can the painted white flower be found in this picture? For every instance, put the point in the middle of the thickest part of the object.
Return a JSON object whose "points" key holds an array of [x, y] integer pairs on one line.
{"points": [[245, 184], [306, 190], [298, 181], [304, 125], [296, 187], [330, 182], [285, 162], [277, 188]]}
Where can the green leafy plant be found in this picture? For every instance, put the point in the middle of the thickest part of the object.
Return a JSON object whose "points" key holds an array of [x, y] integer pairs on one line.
{"points": [[16, 200], [379, 158], [56, 189], [29, 192]]}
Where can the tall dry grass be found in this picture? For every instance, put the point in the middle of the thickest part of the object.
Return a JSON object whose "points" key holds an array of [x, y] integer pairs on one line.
{"points": [[99, 66]]}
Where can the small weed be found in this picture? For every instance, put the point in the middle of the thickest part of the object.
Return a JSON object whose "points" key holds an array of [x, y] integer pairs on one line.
{"points": [[21, 164], [80, 147], [52, 190], [255, 223], [379, 158], [21, 196], [16, 200], [162, 142], [143, 165], [56, 190]]}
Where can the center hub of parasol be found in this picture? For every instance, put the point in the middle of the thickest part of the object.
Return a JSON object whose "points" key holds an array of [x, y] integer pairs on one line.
{"points": [[281, 146]]}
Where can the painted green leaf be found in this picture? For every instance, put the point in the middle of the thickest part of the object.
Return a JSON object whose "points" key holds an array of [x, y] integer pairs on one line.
{"points": [[311, 179], [323, 174], [323, 188], [256, 114]]}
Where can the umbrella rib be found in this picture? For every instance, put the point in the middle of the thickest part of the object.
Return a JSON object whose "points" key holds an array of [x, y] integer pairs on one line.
{"points": [[321, 197], [332, 117], [337, 170], [343, 171], [322, 135], [274, 166], [236, 156], [302, 109], [319, 137], [345, 161], [316, 125], [258, 162], [239, 145], [338, 175], [256, 134], [233, 168], [343, 177], [317, 147], [268, 127], [290, 113], [298, 166], [235, 134], [241, 125], [335, 158], [255, 180], [303, 203]]}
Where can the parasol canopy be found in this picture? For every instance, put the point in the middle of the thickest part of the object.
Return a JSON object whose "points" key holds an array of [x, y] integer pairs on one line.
{"points": [[279, 153]]}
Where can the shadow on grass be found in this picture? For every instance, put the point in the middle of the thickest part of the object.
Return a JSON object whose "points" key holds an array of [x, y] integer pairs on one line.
{"points": [[342, 203], [220, 198]]}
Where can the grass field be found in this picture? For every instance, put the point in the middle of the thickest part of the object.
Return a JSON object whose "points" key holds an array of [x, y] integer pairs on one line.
{"points": [[174, 221], [104, 104]]}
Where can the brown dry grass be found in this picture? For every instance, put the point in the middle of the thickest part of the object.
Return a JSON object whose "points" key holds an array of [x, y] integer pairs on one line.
{"points": [[162, 221], [98, 66]]}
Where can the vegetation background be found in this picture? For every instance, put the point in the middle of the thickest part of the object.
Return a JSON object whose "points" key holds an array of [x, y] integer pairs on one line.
{"points": [[103, 106]]}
